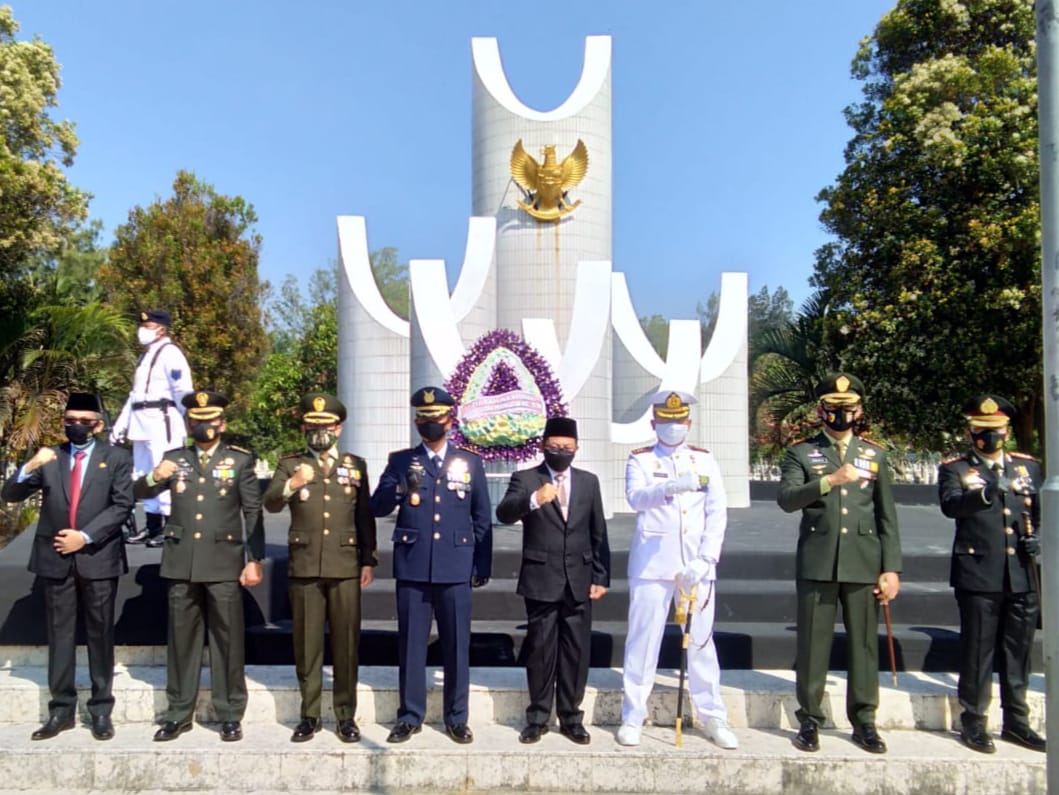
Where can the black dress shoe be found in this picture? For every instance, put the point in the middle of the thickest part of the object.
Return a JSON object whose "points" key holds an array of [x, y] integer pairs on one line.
{"points": [[533, 733], [102, 728], [975, 737], [402, 731], [868, 739], [52, 726], [347, 731], [171, 729], [231, 731], [577, 733], [155, 541], [139, 537], [808, 737], [306, 729], [459, 732], [1024, 736]]}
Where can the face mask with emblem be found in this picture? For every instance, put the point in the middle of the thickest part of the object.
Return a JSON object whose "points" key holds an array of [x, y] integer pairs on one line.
{"points": [[320, 439], [988, 440], [839, 418], [204, 432]]}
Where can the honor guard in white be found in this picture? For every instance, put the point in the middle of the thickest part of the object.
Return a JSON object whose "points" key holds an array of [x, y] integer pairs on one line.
{"points": [[153, 416], [681, 515]]}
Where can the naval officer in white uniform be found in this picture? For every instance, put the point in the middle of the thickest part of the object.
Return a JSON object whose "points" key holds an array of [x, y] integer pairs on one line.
{"points": [[681, 515], [153, 416]]}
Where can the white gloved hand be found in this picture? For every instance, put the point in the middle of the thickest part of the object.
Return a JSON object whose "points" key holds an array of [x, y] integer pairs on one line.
{"points": [[689, 481], [117, 437], [695, 572]]}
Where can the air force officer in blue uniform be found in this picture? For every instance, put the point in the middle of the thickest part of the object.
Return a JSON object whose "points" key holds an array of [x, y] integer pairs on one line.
{"points": [[442, 545]]}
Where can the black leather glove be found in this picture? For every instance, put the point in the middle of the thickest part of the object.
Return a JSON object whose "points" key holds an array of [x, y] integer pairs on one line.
{"points": [[478, 582], [1031, 545]]}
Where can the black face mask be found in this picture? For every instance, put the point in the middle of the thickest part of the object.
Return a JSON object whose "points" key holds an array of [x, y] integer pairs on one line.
{"points": [[320, 439], [558, 461], [987, 441], [79, 435], [431, 431], [838, 419], [204, 432]]}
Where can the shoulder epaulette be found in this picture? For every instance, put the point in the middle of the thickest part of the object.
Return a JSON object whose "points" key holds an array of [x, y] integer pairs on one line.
{"points": [[955, 458], [1023, 456], [799, 441], [239, 449], [698, 449], [640, 450], [467, 450], [290, 455], [873, 443]]}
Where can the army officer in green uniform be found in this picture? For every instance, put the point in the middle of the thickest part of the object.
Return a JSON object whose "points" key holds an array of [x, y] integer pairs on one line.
{"points": [[206, 557], [331, 557], [849, 553]]}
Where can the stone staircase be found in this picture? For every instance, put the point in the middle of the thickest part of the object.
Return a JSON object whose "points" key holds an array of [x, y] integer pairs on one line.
{"points": [[916, 718]]}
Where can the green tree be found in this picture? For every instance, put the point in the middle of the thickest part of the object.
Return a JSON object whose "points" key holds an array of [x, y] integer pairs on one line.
{"points": [[934, 275], [392, 278], [38, 207], [656, 329], [195, 254]]}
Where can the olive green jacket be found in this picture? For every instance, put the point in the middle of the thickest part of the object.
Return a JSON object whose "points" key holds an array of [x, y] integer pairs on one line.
{"points": [[211, 505], [332, 530], [850, 533]]}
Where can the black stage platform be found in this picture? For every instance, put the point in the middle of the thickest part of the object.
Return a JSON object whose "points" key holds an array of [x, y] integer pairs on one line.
{"points": [[755, 593]]}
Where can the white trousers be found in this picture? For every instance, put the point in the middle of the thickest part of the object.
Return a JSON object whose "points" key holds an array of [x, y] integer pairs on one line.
{"points": [[145, 456], [649, 602]]}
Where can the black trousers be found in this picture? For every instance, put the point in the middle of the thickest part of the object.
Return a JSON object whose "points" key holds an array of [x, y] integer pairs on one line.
{"points": [[95, 598], [996, 628], [557, 650]]}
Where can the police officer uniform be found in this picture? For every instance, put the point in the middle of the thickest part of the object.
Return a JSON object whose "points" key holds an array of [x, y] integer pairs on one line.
{"points": [[993, 496], [152, 417], [674, 528], [847, 538], [441, 540], [215, 495], [331, 537]]}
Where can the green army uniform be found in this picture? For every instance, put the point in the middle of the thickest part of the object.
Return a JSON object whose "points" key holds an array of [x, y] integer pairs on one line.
{"points": [[847, 537], [332, 535], [203, 556]]}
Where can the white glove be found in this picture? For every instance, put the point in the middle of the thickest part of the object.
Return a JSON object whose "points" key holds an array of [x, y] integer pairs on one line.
{"points": [[689, 481], [116, 436], [697, 571]]}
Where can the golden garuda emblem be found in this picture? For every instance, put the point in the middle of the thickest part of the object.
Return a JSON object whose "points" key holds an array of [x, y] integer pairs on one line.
{"points": [[545, 185]]}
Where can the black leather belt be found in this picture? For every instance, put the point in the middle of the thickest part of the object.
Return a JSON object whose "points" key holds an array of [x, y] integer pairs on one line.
{"points": [[153, 404]]}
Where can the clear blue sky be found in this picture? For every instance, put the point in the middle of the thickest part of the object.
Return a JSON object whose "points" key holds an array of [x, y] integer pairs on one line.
{"points": [[727, 120]]}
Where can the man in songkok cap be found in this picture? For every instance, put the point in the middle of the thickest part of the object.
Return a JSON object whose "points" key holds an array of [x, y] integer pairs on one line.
{"points": [[331, 556], [565, 567], [849, 553], [681, 509], [78, 554], [152, 417], [442, 546], [214, 543], [993, 496]]}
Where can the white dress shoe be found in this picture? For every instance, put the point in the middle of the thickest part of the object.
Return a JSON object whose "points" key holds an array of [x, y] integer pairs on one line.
{"points": [[716, 729], [629, 734]]}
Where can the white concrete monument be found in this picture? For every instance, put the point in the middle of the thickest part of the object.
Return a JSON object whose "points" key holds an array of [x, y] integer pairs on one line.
{"points": [[538, 263]]}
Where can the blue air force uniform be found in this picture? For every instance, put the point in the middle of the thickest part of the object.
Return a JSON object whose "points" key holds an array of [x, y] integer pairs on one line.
{"points": [[442, 538]]}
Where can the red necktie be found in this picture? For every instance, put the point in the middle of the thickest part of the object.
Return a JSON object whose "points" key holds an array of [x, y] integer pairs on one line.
{"points": [[75, 487]]}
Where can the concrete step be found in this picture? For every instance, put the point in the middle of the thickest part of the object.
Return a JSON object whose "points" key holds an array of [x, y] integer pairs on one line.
{"points": [[738, 600], [755, 699], [918, 762], [743, 645]]}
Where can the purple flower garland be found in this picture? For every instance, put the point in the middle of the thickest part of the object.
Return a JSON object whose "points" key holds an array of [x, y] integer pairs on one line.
{"points": [[546, 382]]}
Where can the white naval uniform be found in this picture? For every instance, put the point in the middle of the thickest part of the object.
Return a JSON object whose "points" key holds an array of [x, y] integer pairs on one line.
{"points": [[169, 379], [670, 533]]}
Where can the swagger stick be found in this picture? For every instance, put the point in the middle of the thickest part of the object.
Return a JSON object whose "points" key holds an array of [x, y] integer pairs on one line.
{"points": [[1034, 575], [687, 606], [890, 640]]}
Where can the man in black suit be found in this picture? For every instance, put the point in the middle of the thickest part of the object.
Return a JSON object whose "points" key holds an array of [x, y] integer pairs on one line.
{"points": [[993, 496], [78, 554], [565, 567]]}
